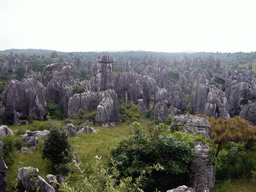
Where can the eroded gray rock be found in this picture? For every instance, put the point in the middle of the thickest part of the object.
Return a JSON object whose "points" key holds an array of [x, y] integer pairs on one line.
{"points": [[4, 130], [161, 111], [70, 129], [182, 188], [26, 183], [87, 129]]}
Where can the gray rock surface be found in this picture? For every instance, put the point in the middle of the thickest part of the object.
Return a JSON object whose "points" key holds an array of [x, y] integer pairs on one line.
{"points": [[26, 183], [182, 188], [58, 79], [201, 170], [30, 140], [4, 130], [50, 178], [23, 98], [105, 103], [3, 168], [87, 129], [39, 134], [161, 111], [70, 129], [193, 124]]}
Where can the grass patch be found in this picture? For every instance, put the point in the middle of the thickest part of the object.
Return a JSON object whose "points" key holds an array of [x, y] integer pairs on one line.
{"points": [[28, 159], [241, 185], [246, 66]]}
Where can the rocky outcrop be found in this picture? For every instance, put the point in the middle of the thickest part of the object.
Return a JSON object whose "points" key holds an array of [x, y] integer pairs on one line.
{"points": [[23, 98], [201, 173], [193, 124], [58, 78], [29, 180], [50, 179], [104, 103], [3, 168], [31, 137], [102, 74], [182, 188], [4, 130], [201, 170], [209, 100], [161, 111]]}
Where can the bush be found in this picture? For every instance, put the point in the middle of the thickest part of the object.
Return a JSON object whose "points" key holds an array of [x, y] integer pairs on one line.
{"points": [[58, 150], [82, 116], [129, 112], [52, 110], [10, 145], [32, 116], [135, 154], [77, 88]]}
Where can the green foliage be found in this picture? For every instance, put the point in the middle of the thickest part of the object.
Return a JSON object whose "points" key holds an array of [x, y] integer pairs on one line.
{"points": [[20, 73], [129, 112], [10, 145], [83, 117], [52, 110], [137, 152], [7, 118], [58, 150], [77, 88], [32, 116], [168, 120]]}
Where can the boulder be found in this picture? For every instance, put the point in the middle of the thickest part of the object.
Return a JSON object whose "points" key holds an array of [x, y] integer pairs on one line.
{"points": [[23, 149], [26, 183], [50, 178], [39, 134], [87, 129], [30, 140], [104, 110], [70, 129], [182, 188], [4, 130]]}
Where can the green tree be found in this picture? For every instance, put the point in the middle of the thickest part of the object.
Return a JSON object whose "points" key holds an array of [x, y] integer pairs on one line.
{"points": [[135, 154], [58, 150]]}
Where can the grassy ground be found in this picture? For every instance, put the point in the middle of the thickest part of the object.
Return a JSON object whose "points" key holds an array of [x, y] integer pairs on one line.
{"points": [[90, 145], [241, 185]]}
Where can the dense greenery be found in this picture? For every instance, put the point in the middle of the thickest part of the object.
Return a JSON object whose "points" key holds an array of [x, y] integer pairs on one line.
{"points": [[53, 111], [129, 112], [135, 154], [58, 150]]}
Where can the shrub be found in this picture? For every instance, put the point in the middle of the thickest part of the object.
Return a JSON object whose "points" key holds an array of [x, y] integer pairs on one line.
{"points": [[77, 88], [10, 145], [82, 116], [129, 112], [135, 154], [52, 110], [58, 150], [32, 116]]}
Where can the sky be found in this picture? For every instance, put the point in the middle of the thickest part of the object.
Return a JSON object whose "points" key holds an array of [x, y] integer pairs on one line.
{"points": [[117, 25]]}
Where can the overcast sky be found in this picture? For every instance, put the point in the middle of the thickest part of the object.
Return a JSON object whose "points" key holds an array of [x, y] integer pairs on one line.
{"points": [[101, 25]]}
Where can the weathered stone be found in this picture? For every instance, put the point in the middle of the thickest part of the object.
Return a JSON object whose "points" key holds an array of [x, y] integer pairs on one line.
{"points": [[26, 183], [141, 105], [23, 98], [4, 130], [39, 134], [30, 140], [23, 149], [102, 74], [248, 112], [3, 184], [193, 124], [89, 101], [70, 129], [201, 170], [58, 78], [50, 179], [182, 188], [161, 111], [201, 173], [87, 129]]}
